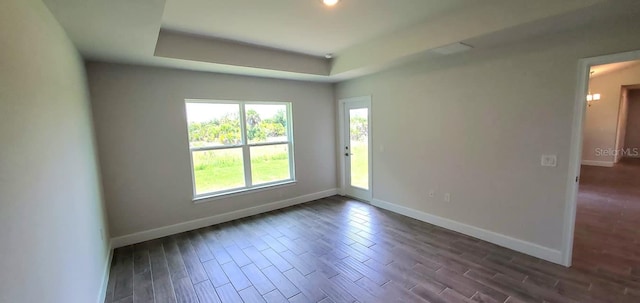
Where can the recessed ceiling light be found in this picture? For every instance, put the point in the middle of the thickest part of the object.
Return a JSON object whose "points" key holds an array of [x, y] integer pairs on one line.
{"points": [[330, 2], [328, 56]]}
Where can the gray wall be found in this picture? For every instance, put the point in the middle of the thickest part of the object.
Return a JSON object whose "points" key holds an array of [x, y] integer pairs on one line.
{"points": [[476, 124], [141, 128], [51, 211], [632, 135]]}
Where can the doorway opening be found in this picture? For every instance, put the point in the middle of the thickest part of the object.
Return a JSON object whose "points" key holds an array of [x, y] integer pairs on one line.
{"points": [[355, 147], [603, 216]]}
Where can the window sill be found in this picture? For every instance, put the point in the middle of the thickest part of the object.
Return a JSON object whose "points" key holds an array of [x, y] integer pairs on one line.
{"points": [[240, 192]]}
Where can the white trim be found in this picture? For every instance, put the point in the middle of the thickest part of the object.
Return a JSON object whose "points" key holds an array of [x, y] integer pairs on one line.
{"points": [[105, 277], [575, 156], [598, 163], [532, 249], [217, 219], [340, 149], [246, 155]]}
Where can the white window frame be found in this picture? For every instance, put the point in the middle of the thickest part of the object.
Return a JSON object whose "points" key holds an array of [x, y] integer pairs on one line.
{"points": [[246, 151]]}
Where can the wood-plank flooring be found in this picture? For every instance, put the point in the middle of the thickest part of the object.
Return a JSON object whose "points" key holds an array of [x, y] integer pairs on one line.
{"points": [[607, 231], [341, 250]]}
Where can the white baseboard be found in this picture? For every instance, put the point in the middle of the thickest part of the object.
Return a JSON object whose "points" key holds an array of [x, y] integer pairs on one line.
{"points": [[532, 249], [597, 163], [105, 278], [217, 219]]}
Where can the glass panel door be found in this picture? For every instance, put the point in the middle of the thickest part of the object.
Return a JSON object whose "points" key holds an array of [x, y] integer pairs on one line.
{"points": [[357, 148]]}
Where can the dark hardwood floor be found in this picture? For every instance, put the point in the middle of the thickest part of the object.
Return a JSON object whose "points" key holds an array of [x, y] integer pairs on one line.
{"points": [[607, 232], [341, 250]]}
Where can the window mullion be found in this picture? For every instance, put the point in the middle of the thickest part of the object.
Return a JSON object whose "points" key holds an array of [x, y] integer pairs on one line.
{"points": [[246, 154], [292, 169], [269, 143], [208, 148]]}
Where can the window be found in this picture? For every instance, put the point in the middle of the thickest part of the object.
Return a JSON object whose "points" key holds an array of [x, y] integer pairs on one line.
{"points": [[238, 146]]}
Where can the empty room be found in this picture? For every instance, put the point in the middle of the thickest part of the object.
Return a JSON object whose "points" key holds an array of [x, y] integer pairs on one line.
{"points": [[608, 213], [319, 151]]}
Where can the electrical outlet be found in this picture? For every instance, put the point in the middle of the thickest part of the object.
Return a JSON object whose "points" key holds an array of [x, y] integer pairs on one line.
{"points": [[432, 193], [447, 197], [549, 160]]}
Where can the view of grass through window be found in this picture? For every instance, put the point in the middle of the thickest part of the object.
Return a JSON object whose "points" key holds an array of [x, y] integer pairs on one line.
{"points": [[359, 143], [217, 170], [360, 165], [269, 163], [216, 142]]}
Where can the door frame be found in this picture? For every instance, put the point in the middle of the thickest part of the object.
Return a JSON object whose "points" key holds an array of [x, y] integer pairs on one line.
{"points": [[620, 142], [341, 141], [575, 155]]}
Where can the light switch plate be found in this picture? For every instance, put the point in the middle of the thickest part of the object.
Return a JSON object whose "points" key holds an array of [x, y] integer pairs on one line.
{"points": [[549, 160]]}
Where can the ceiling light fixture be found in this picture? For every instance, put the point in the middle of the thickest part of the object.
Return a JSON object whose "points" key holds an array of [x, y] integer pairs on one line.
{"points": [[328, 56], [330, 2], [591, 97]]}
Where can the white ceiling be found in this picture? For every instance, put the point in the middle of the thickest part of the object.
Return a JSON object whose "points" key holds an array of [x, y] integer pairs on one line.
{"points": [[305, 26], [257, 37]]}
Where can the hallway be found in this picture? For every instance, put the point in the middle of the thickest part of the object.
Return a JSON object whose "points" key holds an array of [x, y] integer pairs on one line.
{"points": [[607, 232]]}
